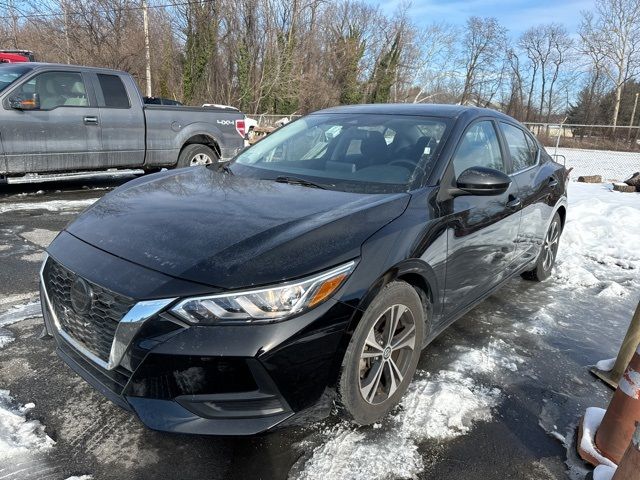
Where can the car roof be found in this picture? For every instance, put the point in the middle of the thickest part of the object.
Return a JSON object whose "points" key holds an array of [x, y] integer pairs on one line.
{"points": [[422, 109]]}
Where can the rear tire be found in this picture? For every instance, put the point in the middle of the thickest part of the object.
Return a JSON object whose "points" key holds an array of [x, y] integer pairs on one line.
{"points": [[383, 354], [196, 154], [547, 257]]}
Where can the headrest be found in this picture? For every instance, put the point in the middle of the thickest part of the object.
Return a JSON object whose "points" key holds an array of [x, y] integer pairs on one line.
{"points": [[78, 88], [374, 148]]}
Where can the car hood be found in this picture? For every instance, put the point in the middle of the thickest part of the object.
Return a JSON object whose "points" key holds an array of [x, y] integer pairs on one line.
{"points": [[228, 231]]}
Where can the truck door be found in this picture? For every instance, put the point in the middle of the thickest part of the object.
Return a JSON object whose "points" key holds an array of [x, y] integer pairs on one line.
{"points": [[121, 119], [61, 133]]}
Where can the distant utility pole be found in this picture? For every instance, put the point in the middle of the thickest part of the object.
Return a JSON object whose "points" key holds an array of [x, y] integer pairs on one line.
{"points": [[14, 23], [147, 49], [65, 6]]}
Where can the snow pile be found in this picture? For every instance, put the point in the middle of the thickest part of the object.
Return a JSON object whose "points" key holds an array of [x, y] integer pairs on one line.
{"points": [[599, 245], [437, 407], [592, 420], [603, 472], [606, 365], [17, 434]]}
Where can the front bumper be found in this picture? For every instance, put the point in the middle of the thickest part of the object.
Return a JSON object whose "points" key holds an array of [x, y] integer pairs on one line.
{"points": [[215, 380]]}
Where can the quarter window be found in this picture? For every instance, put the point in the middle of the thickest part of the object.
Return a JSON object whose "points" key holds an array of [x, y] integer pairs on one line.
{"points": [[113, 91], [479, 148], [56, 89], [522, 154]]}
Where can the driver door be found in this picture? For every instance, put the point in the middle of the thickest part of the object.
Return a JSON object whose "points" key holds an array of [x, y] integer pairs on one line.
{"points": [[482, 231], [62, 134]]}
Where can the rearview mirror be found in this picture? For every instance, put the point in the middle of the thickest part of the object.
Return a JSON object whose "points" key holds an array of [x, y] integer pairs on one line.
{"points": [[481, 181], [20, 103]]}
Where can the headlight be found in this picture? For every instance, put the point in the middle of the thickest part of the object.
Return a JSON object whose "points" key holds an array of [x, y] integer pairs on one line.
{"points": [[270, 303]]}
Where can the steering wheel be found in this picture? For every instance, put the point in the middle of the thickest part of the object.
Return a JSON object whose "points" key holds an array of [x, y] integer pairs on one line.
{"points": [[404, 162]]}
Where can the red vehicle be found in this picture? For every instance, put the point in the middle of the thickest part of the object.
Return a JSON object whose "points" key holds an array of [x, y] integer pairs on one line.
{"points": [[15, 56]]}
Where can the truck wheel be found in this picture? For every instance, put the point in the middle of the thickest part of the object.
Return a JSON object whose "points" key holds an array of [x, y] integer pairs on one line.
{"points": [[383, 354], [196, 154]]}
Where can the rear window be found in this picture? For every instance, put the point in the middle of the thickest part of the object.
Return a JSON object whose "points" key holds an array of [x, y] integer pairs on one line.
{"points": [[10, 73], [113, 91]]}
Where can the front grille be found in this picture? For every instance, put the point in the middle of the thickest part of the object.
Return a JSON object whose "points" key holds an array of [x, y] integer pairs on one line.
{"points": [[94, 329]]}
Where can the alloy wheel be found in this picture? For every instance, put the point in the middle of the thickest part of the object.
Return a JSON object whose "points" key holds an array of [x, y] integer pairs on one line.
{"points": [[386, 354], [200, 159], [550, 247]]}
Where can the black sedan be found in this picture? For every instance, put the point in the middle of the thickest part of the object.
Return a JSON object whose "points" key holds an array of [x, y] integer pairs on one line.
{"points": [[313, 269]]}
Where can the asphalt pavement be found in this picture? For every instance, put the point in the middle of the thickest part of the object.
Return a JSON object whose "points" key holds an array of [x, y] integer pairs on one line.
{"points": [[546, 335]]}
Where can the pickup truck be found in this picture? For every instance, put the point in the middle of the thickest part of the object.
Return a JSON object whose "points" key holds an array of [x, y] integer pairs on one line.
{"points": [[62, 118]]}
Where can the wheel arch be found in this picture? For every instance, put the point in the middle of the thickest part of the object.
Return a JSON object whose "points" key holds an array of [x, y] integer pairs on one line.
{"points": [[419, 275], [202, 139]]}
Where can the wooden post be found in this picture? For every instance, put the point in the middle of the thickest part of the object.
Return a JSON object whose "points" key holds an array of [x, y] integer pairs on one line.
{"points": [[627, 349]]}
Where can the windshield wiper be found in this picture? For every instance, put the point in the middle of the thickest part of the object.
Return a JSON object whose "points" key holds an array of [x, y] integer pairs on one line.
{"points": [[298, 181]]}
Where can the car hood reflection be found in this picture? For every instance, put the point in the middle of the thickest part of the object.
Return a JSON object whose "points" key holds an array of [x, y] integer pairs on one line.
{"points": [[228, 231]]}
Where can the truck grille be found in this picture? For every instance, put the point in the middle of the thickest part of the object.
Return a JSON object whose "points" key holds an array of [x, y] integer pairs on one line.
{"points": [[96, 325]]}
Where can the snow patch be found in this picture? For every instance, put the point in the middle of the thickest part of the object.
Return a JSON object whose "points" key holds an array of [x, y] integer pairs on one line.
{"points": [[497, 355], [613, 290], [51, 205], [81, 477], [606, 365], [592, 420], [5, 338], [439, 407], [603, 472], [19, 313], [17, 434]]}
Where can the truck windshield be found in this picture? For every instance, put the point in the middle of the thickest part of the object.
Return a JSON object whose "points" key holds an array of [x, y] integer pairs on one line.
{"points": [[10, 73], [368, 153]]}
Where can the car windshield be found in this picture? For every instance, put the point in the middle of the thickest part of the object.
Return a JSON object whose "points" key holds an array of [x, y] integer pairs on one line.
{"points": [[10, 73], [367, 153]]}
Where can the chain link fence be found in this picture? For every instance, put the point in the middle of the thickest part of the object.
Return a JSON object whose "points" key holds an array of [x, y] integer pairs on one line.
{"points": [[612, 152]]}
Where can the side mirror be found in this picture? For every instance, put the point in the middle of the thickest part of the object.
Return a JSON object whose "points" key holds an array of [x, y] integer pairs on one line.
{"points": [[20, 103], [481, 181]]}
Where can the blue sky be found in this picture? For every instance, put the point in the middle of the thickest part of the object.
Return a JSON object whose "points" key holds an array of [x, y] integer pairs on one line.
{"points": [[516, 15]]}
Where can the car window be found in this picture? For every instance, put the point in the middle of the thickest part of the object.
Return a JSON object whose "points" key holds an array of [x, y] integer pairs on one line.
{"points": [[113, 92], [519, 147], [479, 148], [10, 74], [351, 152], [56, 89]]}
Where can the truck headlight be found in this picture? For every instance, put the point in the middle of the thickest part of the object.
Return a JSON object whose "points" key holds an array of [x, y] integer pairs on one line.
{"points": [[270, 303]]}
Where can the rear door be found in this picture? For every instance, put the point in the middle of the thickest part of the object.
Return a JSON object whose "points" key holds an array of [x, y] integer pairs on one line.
{"points": [[533, 189], [121, 120], [481, 230], [62, 135]]}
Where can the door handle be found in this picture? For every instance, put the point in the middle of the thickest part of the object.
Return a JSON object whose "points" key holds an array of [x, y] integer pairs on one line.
{"points": [[552, 182], [90, 120], [514, 203]]}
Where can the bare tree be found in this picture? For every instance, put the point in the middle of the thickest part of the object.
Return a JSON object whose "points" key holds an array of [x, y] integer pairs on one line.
{"points": [[483, 48], [613, 35]]}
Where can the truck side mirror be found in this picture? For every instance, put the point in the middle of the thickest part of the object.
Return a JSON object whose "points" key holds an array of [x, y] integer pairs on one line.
{"points": [[20, 103]]}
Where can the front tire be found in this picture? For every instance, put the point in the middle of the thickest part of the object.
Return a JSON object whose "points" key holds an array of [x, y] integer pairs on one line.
{"points": [[383, 354], [196, 154], [547, 257]]}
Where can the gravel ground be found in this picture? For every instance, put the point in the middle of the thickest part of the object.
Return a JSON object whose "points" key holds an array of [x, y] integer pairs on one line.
{"points": [[497, 395]]}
